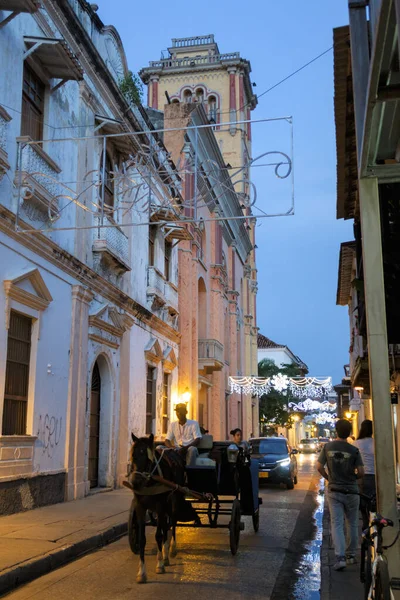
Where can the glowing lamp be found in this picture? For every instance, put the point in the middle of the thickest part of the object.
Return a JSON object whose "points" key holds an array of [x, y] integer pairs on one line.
{"points": [[186, 396], [348, 415]]}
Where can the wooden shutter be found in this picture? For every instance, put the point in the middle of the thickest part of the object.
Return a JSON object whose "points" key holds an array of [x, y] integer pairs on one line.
{"points": [[17, 375]]}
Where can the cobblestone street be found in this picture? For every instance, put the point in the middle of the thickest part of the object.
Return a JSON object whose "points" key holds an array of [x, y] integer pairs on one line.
{"points": [[267, 564]]}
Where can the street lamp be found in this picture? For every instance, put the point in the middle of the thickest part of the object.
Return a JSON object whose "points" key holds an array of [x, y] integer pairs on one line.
{"points": [[348, 415], [186, 396]]}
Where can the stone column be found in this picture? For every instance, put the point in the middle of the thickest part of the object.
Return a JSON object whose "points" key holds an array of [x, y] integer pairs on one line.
{"points": [[77, 394], [232, 99], [154, 91], [378, 358]]}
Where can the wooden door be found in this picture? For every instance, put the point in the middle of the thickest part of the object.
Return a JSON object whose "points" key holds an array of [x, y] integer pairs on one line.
{"points": [[94, 434]]}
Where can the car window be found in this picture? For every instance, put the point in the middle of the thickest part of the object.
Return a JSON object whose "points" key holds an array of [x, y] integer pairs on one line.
{"points": [[270, 446], [306, 441]]}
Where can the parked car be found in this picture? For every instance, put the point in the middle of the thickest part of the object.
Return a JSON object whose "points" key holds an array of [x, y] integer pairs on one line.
{"points": [[308, 445], [276, 460]]}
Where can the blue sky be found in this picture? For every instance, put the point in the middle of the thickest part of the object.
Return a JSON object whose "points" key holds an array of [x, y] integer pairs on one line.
{"points": [[297, 256]]}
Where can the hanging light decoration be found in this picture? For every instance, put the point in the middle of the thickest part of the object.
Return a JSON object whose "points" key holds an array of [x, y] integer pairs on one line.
{"points": [[301, 387], [325, 417], [309, 404]]}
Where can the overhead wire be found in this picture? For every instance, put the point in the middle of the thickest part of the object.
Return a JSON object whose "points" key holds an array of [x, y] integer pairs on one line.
{"points": [[307, 64]]}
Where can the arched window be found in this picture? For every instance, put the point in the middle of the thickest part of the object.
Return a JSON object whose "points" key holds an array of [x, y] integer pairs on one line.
{"points": [[187, 96], [175, 101], [200, 95], [108, 182], [212, 109]]}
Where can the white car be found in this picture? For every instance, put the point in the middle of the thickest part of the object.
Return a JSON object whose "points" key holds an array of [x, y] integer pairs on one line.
{"points": [[308, 445]]}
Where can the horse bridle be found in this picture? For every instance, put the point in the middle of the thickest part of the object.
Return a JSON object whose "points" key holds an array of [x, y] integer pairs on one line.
{"points": [[153, 460]]}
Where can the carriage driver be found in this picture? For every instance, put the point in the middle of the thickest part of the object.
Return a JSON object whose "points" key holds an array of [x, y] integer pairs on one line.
{"points": [[184, 434]]}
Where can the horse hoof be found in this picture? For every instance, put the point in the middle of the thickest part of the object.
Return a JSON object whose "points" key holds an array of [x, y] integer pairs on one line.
{"points": [[166, 562], [173, 553], [160, 570], [141, 579]]}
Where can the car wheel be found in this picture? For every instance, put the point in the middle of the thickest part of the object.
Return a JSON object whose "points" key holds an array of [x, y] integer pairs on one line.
{"points": [[290, 484], [295, 479]]}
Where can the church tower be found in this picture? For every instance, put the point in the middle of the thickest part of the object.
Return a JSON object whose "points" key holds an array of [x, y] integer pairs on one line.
{"points": [[196, 71]]}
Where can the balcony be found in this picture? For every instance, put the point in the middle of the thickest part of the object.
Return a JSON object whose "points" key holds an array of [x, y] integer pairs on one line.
{"points": [[194, 61], [4, 119], [36, 178], [156, 287], [211, 356], [111, 244], [171, 297]]}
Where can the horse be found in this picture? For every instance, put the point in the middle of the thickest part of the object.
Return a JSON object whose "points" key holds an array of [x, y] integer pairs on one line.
{"points": [[150, 496]]}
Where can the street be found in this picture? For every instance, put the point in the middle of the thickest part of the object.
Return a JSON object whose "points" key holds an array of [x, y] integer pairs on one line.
{"points": [[281, 561]]}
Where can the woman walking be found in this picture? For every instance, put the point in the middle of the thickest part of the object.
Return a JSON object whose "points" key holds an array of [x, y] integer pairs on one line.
{"points": [[365, 444]]}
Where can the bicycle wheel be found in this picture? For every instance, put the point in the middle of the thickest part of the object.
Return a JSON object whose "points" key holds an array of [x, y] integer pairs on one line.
{"points": [[366, 567], [382, 582]]}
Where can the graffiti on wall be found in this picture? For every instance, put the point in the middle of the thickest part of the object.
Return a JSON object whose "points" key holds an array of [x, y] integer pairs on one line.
{"points": [[49, 433]]}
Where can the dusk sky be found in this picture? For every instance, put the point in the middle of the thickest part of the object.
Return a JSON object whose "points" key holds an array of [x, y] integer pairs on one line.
{"points": [[298, 255]]}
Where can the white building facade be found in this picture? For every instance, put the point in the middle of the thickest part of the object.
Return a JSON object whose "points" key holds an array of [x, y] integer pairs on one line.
{"points": [[89, 338]]}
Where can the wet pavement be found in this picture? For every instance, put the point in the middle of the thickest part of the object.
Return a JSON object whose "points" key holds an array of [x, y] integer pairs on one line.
{"points": [[280, 562]]}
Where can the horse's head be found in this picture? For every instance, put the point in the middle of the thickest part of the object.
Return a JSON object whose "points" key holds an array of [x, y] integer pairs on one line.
{"points": [[141, 459]]}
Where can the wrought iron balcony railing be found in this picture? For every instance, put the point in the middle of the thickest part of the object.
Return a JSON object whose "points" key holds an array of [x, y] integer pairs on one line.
{"points": [[177, 63], [112, 243]]}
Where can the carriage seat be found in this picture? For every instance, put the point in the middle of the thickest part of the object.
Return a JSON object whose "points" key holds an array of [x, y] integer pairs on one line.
{"points": [[204, 447]]}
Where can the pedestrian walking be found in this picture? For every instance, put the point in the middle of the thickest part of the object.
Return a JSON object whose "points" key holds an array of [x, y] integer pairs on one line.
{"points": [[365, 444], [345, 466]]}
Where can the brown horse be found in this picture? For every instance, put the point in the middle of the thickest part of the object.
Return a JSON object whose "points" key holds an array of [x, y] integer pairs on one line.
{"points": [[149, 496]]}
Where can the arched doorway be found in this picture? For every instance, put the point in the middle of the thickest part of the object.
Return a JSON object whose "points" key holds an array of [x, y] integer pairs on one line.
{"points": [[94, 427]]}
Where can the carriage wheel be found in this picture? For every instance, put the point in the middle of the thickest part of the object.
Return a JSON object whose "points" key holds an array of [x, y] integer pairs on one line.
{"points": [[213, 512], [133, 530], [234, 527], [256, 519]]}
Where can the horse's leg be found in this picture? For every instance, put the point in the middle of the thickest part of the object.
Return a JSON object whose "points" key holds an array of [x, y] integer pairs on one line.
{"points": [[167, 542], [173, 549], [161, 518], [141, 517]]}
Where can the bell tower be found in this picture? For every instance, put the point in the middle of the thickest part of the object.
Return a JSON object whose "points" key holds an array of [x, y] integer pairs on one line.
{"points": [[196, 71]]}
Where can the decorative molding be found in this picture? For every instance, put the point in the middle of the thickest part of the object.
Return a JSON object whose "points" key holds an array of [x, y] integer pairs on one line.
{"points": [[152, 351], [102, 340], [39, 301], [82, 294], [120, 322], [169, 359]]}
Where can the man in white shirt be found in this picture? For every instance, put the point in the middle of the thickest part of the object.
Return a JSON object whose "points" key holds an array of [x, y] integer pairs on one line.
{"points": [[184, 434]]}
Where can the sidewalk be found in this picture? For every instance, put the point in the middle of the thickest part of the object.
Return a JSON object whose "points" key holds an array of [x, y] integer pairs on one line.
{"points": [[36, 542], [337, 585]]}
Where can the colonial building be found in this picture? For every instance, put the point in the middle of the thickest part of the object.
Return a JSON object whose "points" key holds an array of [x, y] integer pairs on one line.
{"points": [[278, 353], [223, 295], [89, 339], [366, 59]]}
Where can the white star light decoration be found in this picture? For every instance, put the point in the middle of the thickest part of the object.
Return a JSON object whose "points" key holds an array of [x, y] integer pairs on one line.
{"points": [[301, 387], [280, 382]]}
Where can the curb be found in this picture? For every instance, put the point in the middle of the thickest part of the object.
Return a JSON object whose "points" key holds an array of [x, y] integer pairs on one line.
{"points": [[325, 570], [37, 567]]}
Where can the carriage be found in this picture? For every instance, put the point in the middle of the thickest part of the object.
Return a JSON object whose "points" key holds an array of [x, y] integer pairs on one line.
{"points": [[222, 483]]}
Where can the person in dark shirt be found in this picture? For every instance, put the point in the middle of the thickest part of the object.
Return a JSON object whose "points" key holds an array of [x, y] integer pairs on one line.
{"points": [[345, 466]]}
